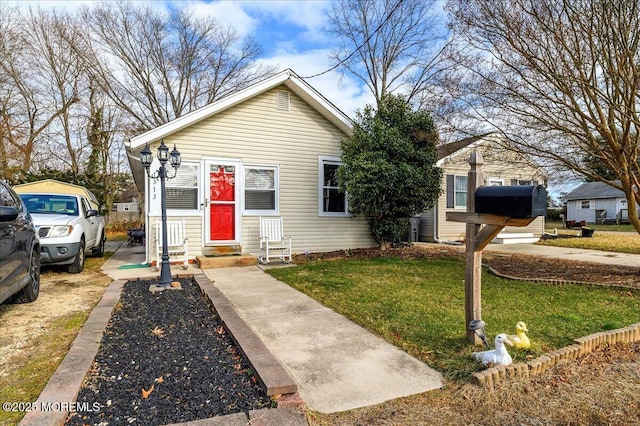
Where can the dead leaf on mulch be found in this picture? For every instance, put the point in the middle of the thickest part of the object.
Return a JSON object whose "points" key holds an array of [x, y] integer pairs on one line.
{"points": [[146, 393]]}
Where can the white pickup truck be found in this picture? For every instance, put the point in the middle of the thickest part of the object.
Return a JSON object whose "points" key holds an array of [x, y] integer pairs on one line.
{"points": [[68, 226]]}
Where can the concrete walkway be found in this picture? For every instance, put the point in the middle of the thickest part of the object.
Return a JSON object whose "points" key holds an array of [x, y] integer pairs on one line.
{"points": [[337, 364]]}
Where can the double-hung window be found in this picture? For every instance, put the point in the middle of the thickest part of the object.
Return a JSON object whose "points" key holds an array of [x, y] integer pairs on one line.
{"points": [[182, 190], [261, 190], [460, 190], [332, 201], [456, 191]]}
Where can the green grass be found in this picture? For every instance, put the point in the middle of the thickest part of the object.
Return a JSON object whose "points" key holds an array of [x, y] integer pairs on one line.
{"points": [[549, 227], [623, 239], [418, 305]]}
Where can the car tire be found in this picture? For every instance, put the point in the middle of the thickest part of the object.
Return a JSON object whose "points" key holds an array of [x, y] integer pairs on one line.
{"points": [[78, 264], [99, 250], [31, 291]]}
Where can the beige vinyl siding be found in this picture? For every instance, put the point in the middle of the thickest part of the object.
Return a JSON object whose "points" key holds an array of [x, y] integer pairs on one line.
{"points": [[256, 133], [497, 163]]}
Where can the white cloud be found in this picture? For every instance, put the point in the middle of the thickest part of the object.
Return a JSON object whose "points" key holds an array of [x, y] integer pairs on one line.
{"points": [[50, 4], [307, 14], [230, 13]]}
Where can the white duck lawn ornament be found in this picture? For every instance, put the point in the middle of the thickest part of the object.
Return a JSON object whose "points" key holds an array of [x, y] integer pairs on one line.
{"points": [[520, 339], [497, 356]]}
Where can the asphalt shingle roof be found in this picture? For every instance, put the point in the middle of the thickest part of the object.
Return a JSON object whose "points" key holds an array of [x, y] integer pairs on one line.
{"points": [[591, 190], [453, 147]]}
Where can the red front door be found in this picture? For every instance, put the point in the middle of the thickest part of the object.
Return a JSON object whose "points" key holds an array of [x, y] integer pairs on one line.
{"points": [[222, 209]]}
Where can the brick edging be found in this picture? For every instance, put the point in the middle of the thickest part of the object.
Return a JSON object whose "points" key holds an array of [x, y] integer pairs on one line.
{"points": [[583, 345], [272, 376], [64, 385], [66, 382], [554, 281]]}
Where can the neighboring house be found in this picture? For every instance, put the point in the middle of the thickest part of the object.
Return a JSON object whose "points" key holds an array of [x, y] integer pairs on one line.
{"points": [[596, 202], [125, 212], [501, 167], [271, 149], [131, 206], [57, 187]]}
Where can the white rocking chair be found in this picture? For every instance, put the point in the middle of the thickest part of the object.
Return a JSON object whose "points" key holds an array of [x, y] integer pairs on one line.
{"points": [[176, 241], [272, 240]]}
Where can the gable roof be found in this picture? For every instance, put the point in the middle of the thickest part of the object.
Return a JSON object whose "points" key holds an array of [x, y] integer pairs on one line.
{"points": [[592, 190], [52, 186], [287, 77], [451, 148]]}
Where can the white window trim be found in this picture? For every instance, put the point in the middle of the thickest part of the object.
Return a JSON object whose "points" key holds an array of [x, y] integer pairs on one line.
{"points": [[276, 178], [581, 204], [198, 210], [322, 160], [492, 180], [455, 203]]}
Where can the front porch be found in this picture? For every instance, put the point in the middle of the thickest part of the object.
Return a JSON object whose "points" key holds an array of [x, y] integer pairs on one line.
{"points": [[224, 257]]}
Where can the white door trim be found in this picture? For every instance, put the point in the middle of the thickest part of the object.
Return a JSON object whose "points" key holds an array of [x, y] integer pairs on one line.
{"points": [[206, 188]]}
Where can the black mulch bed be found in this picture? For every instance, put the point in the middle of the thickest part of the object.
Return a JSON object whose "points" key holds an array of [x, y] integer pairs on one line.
{"points": [[172, 343]]}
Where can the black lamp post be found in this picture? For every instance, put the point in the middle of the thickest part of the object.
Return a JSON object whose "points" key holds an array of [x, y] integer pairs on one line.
{"points": [[146, 158]]}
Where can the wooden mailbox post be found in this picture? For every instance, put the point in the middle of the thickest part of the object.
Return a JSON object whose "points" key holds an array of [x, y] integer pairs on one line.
{"points": [[477, 238]]}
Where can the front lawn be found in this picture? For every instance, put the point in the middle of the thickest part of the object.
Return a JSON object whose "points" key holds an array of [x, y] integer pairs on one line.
{"points": [[624, 227], [418, 305], [602, 239]]}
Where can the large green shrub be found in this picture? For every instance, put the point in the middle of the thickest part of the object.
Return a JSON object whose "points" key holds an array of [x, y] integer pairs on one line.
{"points": [[388, 167]]}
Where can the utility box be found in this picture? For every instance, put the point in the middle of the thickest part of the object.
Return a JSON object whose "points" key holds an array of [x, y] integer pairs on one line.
{"points": [[413, 229], [521, 201]]}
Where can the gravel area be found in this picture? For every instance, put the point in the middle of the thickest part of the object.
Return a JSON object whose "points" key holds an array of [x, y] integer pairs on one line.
{"points": [[166, 358]]}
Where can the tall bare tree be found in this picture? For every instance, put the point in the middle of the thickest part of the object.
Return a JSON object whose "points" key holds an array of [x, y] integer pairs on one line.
{"points": [[63, 81], [33, 93], [393, 46], [561, 78], [158, 66]]}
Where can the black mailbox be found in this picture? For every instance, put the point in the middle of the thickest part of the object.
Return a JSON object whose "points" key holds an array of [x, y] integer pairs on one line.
{"points": [[522, 201]]}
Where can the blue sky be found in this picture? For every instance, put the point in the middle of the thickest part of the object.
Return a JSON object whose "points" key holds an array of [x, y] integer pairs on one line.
{"points": [[290, 32], [292, 36]]}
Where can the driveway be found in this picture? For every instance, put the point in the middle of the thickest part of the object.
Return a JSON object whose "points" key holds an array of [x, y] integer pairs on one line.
{"points": [[575, 254]]}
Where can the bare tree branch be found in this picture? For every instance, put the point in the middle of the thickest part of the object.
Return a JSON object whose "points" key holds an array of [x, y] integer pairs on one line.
{"points": [[561, 79], [159, 67], [399, 45]]}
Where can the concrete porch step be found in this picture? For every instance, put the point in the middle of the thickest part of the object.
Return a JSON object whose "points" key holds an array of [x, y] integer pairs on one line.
{"points": [[208, 262], [515, 238]]}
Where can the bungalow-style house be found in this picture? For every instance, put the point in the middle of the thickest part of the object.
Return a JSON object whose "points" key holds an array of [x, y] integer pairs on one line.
{"points": [[596, 202], [501, 167], [270, 150]]}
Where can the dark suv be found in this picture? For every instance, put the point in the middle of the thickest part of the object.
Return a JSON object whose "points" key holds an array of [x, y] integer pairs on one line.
{"points": [[19, 250]]}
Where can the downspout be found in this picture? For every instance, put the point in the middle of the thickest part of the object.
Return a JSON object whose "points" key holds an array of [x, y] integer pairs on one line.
{"points": [[147, 228], [147, 225], [436, 239]]}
